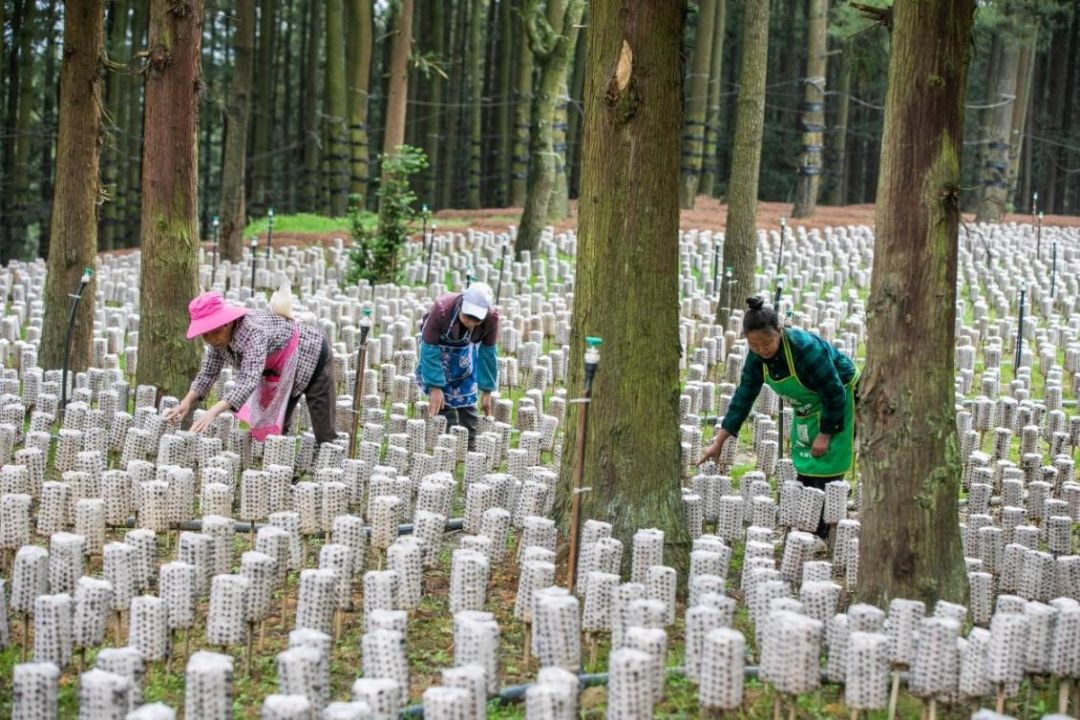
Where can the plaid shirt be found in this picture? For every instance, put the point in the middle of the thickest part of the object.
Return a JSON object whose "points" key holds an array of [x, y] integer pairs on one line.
{"points": [[256, 335], [820, 368]]}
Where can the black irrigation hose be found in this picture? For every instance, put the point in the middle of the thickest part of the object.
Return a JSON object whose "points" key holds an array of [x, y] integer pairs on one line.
{"points": [[238, 526], [516, 693]]}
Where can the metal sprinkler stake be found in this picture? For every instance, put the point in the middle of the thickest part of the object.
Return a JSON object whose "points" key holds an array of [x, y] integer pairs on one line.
{"points": [[469, 278], [84, 280], [431, 247], [269, 231], [716, 266], [217, 238], [358, 390], [254, 252], [423, 226], [1020, 329], [502, 266], [729, 273], [1053, 271], [776, 307], [592, 361]]}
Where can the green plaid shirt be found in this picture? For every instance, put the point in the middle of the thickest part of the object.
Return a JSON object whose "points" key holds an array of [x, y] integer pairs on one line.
{"points": [[820, 368]]}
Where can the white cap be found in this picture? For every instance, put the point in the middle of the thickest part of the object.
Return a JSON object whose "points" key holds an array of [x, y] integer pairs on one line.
{"points": [[476, 300]]}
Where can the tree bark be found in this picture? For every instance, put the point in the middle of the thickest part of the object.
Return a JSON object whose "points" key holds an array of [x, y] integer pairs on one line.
{"points": [[337, 131], [909, 544], [813, 116], [551, 46], [73, 244], [399, 79], [836, 193], [994, 173], [263, 110], [45, 143], [575, 120], [310, 193], [358, 60], [504, 109], [523, 90], [169, 270], [1058, 100], [709, 161], [19, 189], [740, 240], [697, 105], [134, 128], [1025, 70], [630, 183], [475, 74], [233, 202], [112, 154]]}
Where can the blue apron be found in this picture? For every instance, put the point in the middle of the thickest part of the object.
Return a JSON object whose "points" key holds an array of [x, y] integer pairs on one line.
{"points": [[457, 363]]}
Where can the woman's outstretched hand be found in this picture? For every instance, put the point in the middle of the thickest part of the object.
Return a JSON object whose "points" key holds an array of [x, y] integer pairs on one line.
{"points": [[713, 451]]}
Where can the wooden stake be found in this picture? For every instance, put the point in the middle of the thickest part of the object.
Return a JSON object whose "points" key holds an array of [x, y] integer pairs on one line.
{"points": [[592, 651], [187, 644], [339, 621], [894, 694], [776, 705], [526, 652], [1063, 697], [933, 709], [250, 645], [1000, 700], [791, 710], [118, 630], [854, 715], [25, 634]]}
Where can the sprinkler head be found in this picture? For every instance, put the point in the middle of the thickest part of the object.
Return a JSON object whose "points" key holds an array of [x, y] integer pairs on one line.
{"points": [[270, 214], [87, 275], [254, 242], [365, 319], [215, 221], [592, 350]]}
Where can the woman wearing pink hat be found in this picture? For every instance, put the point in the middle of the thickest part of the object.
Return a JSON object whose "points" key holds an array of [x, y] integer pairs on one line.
{"points": [[277, 360]]}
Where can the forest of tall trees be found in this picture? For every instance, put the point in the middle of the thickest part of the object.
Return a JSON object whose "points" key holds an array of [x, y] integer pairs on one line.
{"points": [[487, 88]]}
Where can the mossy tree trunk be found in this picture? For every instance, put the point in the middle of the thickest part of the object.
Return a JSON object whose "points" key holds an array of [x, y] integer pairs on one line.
{"points": [[73, 244], [575, 119], [233, 207], [358, 72], [336, 120], [697, 105], [523, 89], [740, 239], [630, 189], [551, 39], [909, 545], [504, 110], [169, 270], [813, 111], [17, 219], [1025, 76], [709, 161]]}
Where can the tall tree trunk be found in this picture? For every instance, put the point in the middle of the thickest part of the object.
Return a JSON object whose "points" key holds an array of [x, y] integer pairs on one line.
{"points": [[169, 272], [19, 216], [73, 245], [434, 141], [46, 144], [1025, 72], [994, 173], [337, 131], [836, 194], [132, 234], [310, 194], [11, 114], [697, 104], [476, 84], [450, 176], [575, 120], [523, 95], [740, 240], [630, 183], [233, 209], [113, 155], [263, 111], [358, 66], [909, 545], [813, 116], [504, 109], [707, 185], [1058, 100], [552, 47], [399, 79], [210, 116]]}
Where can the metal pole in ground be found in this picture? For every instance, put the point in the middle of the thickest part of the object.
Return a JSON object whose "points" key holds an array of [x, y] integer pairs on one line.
{"points": [[1020, 330], [269, 231], [592, 361], [87, 275], [358, 390], [254, 253]]}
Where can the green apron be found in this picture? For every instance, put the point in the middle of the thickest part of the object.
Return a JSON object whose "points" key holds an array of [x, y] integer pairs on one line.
{"points": [[807, 422]]}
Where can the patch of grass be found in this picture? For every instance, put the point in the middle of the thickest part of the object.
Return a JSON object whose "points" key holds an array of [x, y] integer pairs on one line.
{"points": [[307, 223]]}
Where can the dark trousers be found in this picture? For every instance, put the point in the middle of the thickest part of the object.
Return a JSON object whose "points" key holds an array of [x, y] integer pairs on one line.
{"points": [[820, 483], [321, 400], [466, 416]]}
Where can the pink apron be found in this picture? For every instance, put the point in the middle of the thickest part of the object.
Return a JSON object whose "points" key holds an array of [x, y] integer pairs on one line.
{"points": [[264, 411]]}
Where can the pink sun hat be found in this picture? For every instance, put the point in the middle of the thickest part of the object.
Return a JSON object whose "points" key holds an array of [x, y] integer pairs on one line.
{"points": [[209, 311]]}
